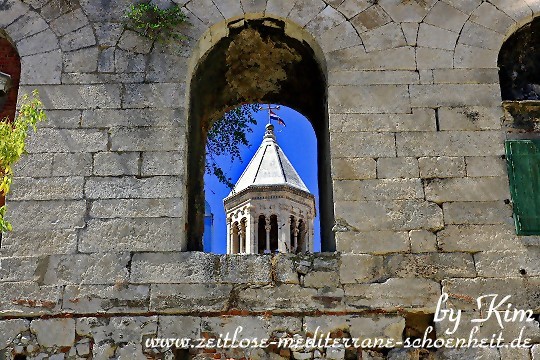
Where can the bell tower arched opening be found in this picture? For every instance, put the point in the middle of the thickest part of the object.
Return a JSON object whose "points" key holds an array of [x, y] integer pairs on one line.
{"points": [[262, 60]]}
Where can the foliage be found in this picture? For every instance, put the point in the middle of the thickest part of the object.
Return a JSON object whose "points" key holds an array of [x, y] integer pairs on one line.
{"points": [[155, 23], [226, 137], [12, 144]]}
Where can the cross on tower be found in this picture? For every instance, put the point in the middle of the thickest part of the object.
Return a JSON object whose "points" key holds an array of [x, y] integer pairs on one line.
{"points": [[269, 108]]}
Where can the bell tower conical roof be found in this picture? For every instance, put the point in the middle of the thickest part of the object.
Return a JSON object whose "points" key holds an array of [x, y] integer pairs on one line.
{"points": [[269, 166]]}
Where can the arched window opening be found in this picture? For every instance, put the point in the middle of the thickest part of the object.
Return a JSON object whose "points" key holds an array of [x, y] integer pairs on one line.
{"points": [[235, 239], [301, 245], [291, 72], [277, 177], [519, 73], [10, 73], [273, 234], [262, 243]]}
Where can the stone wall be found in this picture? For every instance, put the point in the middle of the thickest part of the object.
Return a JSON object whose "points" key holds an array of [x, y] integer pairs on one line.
{"points": [[96, 262]]}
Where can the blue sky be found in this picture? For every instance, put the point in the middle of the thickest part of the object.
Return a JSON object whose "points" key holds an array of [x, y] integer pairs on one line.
{"points": [[299, 143]]}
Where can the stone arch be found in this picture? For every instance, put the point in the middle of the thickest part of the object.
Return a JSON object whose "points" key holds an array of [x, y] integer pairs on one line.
{"points": [[38, 44], [212, 90], [488, 26]]}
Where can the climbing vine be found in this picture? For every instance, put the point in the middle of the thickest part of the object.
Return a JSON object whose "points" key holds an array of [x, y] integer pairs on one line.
{"points": [[226, 137], [12, 144], [156, 23]]}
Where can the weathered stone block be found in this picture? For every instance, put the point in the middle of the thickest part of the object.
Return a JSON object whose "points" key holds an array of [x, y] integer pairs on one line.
{"points": [[451, 143], [136, 208], [28, 299], [72, 164], [430, 36], [508, 263], [372, 77], [61, 119], [120, 298], [162, 95], [41, 68], [128, 62], [108, 33], [476, 35], [68, 97], [378, 189], [39, 43], [132, 235], [34, 165], [382, 327], [189, 298], [361, 268], [10, 329], [100, 269], [54, 188], [470, 57], [470, 118], [485, 212], [393, 294], [183, 268], [387, 36], [371, 18], [428, 58], [375, 99], [362, 145], [54, 332], [441, 167], [67, 140], [130, 187], [78, 39], [466, 76], [115, 164], [146, 139], [422, 241], [372, 242], [39, 215], [392, 168], [282, 298], [446, 17], [69, 22], [485, 166], [134, 42], [492, 18], [31, 242], [455, 95], [284, 269], [432, 266], [354, 168], [356, 58], [100, 118], [162, 163], [82, 60], [467, 189], [321, 279], [419, 120], [494, 237], [242, 269], [28, 24], [390, 215], [179, 327], [18, 269]]}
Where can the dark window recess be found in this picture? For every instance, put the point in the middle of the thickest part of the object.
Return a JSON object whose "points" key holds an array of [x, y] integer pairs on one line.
{"points": [[523, 160], [519, 69]]}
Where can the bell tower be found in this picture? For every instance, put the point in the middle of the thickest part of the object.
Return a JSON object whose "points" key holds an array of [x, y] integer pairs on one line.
{"points": [[270, 208]]}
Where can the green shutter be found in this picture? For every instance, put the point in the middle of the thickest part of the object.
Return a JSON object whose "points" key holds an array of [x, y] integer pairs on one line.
{"points": [[523, 159]]}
